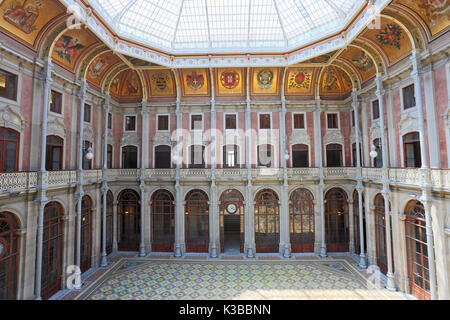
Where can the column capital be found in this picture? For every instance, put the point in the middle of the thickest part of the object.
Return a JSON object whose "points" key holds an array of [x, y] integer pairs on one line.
{"points": [[46, 74], [82, 90]]}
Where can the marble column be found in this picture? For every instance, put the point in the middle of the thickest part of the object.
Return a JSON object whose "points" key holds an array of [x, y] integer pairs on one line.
{"points": [[41, 198], [144, 166], [351, 242], [359, 188], [179, 210], [79, 192], [249, 211], [115, 226], [213, 206], [285, 245], [104, 187], [321, 184]]}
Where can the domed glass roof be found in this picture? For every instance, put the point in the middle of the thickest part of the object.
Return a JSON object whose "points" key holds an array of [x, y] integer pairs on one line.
{"points": [[226, 26]]}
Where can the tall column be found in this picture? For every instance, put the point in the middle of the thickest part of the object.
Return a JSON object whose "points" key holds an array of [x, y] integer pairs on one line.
{"points": [[425, 170], [351, 242], [41, 198], [104, 188], [386, 189], [249, 211], [115, 226], [285, 245], [144, 165], [321, 185], [179, 212], [213, 208], [359, 187]]}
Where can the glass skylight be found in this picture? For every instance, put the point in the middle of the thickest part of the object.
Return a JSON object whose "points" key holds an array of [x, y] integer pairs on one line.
{"points": [[208, 26]]}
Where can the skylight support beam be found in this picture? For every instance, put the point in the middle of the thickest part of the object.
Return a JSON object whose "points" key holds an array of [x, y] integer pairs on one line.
{"points": [[281, 23], [304, 13], [207, 22], [119, 16], [178, 23], [338, 10]]}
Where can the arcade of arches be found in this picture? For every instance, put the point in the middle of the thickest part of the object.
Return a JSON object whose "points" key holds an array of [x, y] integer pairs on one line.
{"points": [[109, 144]]}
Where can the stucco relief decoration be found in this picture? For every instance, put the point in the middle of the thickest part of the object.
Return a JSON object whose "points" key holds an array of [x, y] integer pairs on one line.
{"points": [[10, 118], [130, 139], [407, 123], [56, 127], [333, 137], [300, 137], [162, 138]]}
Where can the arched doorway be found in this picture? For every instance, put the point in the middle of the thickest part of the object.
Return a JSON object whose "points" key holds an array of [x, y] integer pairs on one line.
{"points": [[417, 250], [380, 233], [231, 213], [86, 234], [52, 249], [336, 220], [109, 222], [301, 221], [267, 221], [9, 255], [9, 149], [196, 221], [129, 222], [163, 221], [356, 226]]}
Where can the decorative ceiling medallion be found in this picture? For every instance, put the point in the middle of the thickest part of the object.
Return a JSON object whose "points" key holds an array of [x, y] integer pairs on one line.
{"points": [[195, 81], [96, 67], [229, 79], [265, 79], [300, 79], [160, 80], [391, 36]]}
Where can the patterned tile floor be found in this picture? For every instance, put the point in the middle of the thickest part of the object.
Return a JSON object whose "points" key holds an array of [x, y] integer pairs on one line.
{"points": [[196, 277]]}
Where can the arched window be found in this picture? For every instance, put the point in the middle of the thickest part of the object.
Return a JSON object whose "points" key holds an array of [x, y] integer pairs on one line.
{"points": [[336, 220], [300, 156], [129, 157], [163, 221], [109, 222], [162, 157], [54, 153], [378, 160], [86, 234], [265, 156], [230, 156], [9, 256], [417, 250], [197, 156], [301, 221], [411, 149], [196, 221], [129, 222], [380, 233], [231, 213], [87, 164], [334, 155], [267, 221], [52, 249], [9, 150]]}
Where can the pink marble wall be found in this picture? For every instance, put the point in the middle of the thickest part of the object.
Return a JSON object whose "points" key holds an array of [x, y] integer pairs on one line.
{"points": [[26, 106], [440, 83], [117, 120]]}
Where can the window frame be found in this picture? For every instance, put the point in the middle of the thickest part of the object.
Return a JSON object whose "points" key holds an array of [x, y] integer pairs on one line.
{"points": [[155, 152], [402, 97], [342, 162], [270, 120], [272, 156], [90, 113], [125, 122], [191, 122], [16, 85], [122, 155], [110, 120], [225, 120], [61, 161], [337, 113], [372, 109], [308, 155], [304, 120], [190, 165], [50, 102], [157, 122]]}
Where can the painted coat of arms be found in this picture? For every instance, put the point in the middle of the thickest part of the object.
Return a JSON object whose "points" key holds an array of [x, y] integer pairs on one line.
{"points": [[67, 48], [160, 80], [23, 16], [229, 79], [265, 79], [391, 35], [435, 10], [97, 67], [195, 81], [300, 79], [363, 62]]}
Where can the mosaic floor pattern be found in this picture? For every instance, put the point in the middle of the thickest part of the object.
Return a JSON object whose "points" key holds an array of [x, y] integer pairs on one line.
{"points": [[172, 279]]}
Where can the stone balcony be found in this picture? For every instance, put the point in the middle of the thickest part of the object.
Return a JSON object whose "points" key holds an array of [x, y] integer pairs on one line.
{"points": [[28, 182]]}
